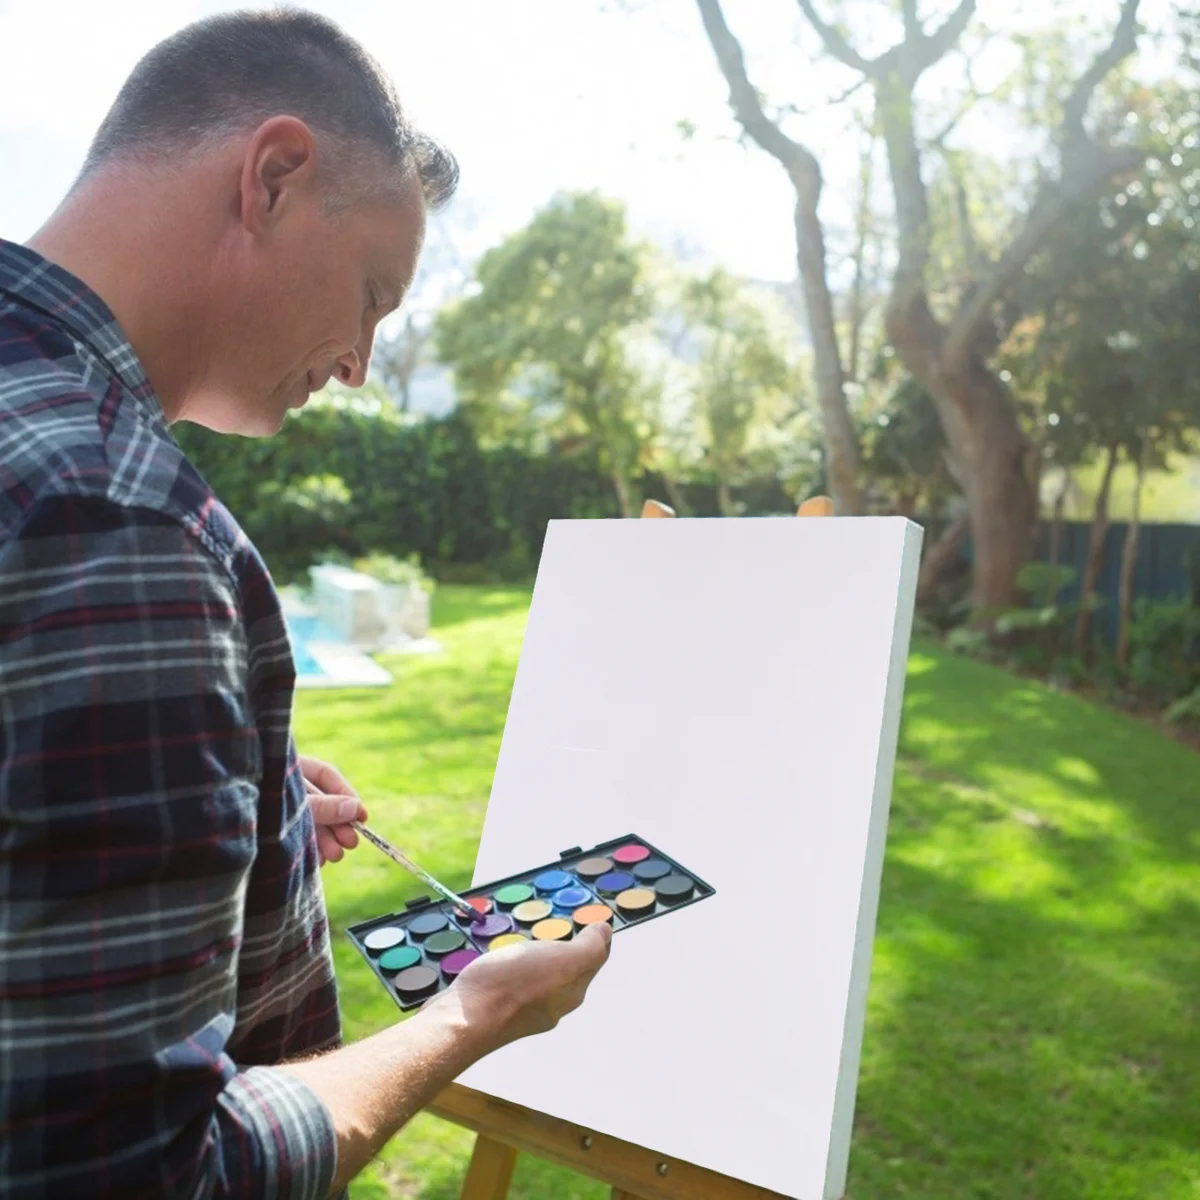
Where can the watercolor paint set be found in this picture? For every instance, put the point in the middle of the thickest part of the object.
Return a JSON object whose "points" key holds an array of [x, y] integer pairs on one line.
{"points": [[422, 950]]}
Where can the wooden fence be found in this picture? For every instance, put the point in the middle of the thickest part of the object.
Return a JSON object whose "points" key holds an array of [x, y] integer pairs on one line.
{"points": [[1168, 563]]}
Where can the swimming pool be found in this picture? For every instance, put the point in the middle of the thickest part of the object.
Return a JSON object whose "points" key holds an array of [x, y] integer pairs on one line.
{"points": [[301, 631], [324, 659]]}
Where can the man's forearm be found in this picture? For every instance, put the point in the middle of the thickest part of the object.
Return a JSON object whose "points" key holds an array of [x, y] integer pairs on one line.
{"points": [[373, 1087]]}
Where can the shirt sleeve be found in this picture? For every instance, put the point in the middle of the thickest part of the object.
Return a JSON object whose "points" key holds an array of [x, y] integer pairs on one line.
{"points": [[129, 769]]}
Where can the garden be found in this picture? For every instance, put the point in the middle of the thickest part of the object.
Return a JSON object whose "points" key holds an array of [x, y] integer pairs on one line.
{"points": [[1032, 1027]]}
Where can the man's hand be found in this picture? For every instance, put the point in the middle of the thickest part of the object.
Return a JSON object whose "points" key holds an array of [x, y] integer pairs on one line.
{"points": [[334, 803], [372, 1087], [522, 990]]}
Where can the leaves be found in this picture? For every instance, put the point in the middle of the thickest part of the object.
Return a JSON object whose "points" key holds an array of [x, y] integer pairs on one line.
{"points": [[544, 338], [742, 379], [1108, 355]]}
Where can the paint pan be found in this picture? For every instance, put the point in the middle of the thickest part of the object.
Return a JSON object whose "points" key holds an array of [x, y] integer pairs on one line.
{"points": [[623, 882], [530, 912]]}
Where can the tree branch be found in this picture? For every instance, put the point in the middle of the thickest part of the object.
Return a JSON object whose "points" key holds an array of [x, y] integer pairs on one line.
{"points": [[835, 43], [970, 100], [936, 45], [744, 99], [912, 23], [1084, 166], [975, 260], [1122, 45], [793, 110], [938, 141]]}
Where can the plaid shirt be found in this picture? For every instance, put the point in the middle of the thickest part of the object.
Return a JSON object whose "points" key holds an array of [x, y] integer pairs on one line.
{"points": [[163, 936]]}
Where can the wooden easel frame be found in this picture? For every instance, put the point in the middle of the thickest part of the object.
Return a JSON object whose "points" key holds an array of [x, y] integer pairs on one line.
{"points": [[503, 1130]]}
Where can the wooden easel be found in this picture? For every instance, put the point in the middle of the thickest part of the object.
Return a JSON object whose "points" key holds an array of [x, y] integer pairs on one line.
{"points": [[504, 1130]]}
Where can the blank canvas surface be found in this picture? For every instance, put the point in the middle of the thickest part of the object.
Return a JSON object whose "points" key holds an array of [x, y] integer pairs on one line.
{"points": [[729, 690]]}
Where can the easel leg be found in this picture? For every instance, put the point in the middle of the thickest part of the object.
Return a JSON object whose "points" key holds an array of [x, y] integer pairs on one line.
{"points": [[490, 1171]]}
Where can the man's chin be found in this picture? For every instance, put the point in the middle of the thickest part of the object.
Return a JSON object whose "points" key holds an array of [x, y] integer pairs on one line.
{"points": [[263, 421]]}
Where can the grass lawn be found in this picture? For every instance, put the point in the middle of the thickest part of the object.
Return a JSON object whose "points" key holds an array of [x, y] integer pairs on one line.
{"points": [[1034, 1022]]}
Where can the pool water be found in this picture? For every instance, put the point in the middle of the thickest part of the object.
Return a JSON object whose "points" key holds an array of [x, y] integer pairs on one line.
{"points": [[301, 631]]}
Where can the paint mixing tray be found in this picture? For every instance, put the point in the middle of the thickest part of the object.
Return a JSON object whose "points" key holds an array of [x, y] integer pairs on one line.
{"points": [[421, 951]]}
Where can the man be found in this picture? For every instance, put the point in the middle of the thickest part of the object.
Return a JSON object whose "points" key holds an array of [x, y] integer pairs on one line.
{"points": [[252, 206]]}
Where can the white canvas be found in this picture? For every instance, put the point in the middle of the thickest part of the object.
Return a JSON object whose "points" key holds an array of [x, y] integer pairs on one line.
{"points": [[729, 690]]}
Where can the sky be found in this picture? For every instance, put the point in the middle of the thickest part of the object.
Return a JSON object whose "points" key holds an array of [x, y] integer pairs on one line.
{"points": [[531, 95]]}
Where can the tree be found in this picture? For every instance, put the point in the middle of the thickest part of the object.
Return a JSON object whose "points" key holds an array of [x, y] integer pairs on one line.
{"points": [[443, 273], [950, 355], [804, 171], [1116, 300], [742, 376], [866, 239], [547, 339], [947, 343]]}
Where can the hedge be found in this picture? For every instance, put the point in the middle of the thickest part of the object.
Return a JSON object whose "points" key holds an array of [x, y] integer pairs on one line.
{"points": [[353, 477]]}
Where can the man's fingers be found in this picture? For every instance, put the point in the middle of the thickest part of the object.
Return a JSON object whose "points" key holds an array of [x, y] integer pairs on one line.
{"points": [[326, 776], [327, 844], [601, 934], [347, 836], [336, 810]]}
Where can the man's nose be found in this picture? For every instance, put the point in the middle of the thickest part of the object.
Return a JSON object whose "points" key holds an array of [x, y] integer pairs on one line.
{"points": [[352, 368]]}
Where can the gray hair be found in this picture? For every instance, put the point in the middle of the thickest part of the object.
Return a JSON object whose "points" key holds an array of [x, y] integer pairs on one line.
{"points": [[230, 72]]}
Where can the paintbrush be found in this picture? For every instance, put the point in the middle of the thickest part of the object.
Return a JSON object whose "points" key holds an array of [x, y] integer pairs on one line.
{"points": [[398, 856]]}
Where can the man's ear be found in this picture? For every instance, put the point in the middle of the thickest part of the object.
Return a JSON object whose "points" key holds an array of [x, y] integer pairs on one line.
{"points": [[278, 167]]}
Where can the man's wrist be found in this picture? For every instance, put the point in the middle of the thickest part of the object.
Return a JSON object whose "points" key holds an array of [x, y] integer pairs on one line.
{"points": [[473, 1026]]}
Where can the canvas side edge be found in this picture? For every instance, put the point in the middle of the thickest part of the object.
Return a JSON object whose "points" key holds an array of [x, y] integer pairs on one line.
{"points": [[837, 1161], [552, 527]]}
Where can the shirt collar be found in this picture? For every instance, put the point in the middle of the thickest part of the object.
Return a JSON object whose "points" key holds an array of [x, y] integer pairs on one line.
{"points": [[31, 280]]}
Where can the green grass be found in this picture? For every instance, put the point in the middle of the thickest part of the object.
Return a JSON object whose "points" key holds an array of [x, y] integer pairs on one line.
{"points": [[1033, 1030]]}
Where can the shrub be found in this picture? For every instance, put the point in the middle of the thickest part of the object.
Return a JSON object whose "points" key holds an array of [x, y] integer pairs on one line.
{"points": [[389, 569], [965, 640], [1187, 709], [412, 486], [1038, 635], [308, 521], [1164, 640]]}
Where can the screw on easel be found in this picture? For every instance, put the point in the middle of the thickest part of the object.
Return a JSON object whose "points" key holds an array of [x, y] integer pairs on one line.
{"points": [[663, 1168], [586, 1141]]}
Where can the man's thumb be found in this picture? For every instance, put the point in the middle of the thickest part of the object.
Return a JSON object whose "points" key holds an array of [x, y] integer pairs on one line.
{"points": [[334, 810]]}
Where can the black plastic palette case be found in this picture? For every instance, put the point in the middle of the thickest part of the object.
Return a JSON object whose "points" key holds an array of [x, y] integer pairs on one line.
{"points": [[625, 882]]}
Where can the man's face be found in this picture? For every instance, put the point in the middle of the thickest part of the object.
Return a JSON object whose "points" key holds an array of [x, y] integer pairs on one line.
{"points": [[303, 302]]}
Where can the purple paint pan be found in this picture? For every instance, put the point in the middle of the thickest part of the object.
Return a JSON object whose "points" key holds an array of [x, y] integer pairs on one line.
{"points": [[492, 926]]}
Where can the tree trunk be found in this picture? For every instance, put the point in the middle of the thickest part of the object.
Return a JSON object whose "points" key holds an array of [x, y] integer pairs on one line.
{"points": [[1002, 502], [675, 495], [841, 443], [998, 463], [992, 454], [861, 236], [1095, 559], [939, 556], [724, 499], [997, 467], [1129, 553], [1056, 522], [624, 492]]}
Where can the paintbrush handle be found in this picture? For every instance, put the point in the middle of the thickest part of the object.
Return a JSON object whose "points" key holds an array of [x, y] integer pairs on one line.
{"points": [[398, 856]]}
